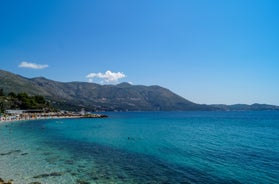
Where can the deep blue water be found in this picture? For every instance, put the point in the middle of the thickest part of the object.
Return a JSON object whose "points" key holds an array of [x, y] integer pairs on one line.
{"points": [[144, 147]]}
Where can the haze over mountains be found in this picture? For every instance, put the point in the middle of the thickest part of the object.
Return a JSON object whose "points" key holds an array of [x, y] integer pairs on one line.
{"points": [[121, 97]]}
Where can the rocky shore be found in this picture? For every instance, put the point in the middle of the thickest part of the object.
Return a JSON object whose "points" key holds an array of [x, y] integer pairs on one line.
{"points": [[49, 115], [38, 116]]}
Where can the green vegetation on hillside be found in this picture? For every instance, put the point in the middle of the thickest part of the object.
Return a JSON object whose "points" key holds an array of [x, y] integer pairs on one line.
{"points": [[22, 101], [94, 97]]}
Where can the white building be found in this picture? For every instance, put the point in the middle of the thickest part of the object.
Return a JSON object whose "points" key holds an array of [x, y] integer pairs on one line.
{"points": [[14, 112], [19, 111]]}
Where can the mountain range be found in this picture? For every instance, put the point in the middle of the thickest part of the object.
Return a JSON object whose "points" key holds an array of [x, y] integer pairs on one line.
{"points": [[120, 97]]}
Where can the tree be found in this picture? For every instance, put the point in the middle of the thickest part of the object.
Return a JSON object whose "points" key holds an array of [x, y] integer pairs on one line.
{"points": [[12, 94], [22, 96], [1, 92], [23, 101], [2, 107], [40, 99]]}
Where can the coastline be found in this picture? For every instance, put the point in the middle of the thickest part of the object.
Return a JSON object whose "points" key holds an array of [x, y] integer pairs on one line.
{"points": [[44, 116], [20, 120], [7, 119]]}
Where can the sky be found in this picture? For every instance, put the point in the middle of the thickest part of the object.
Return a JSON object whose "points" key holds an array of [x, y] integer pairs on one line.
{"points": [[209, 52]]}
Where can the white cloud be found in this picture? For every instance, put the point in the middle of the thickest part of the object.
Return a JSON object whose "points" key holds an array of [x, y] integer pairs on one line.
{"points": [[108, 76], [25, 64]]}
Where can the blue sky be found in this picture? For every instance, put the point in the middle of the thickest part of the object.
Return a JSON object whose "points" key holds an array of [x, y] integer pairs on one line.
{"points": [[206, 51]]}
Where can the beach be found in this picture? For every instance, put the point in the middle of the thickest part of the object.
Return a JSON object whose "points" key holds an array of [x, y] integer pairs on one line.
{"points": [[49, 115], [9, 120]]}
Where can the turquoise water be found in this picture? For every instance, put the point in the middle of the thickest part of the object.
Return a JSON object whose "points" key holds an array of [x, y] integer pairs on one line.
{"points": [[144, 147]]}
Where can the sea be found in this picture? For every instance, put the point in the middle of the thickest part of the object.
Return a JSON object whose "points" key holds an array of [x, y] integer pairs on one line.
{"points": [[143, 147]]}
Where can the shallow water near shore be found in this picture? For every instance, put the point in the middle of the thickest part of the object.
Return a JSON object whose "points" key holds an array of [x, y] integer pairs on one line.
{"points": [[144, 147]]}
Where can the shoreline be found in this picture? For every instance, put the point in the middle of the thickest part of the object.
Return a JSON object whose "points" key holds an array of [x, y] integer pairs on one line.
{"points": [[45, 116], [7, 119], [20, 120]]}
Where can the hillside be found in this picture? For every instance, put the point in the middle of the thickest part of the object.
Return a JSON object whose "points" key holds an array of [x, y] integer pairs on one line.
{"points": [[23, 101], [245, 107], [95, 97], [121, 97]]}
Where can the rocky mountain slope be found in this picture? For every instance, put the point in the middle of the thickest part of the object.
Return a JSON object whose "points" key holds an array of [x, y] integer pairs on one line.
{"points": [[95, 97], [121, 97]]}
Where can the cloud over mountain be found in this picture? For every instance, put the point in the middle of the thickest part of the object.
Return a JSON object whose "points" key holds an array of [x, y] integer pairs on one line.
{"points": [[25, 64], [108, 76]]}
